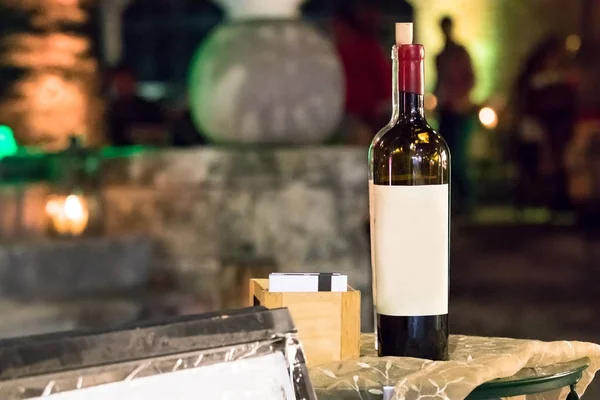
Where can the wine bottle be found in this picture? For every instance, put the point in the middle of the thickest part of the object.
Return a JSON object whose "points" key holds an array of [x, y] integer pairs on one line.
{"points": [[409, 194]]}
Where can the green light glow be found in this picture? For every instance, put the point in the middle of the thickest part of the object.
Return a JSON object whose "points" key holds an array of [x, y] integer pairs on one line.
{"points": [[8, 145], [484, 54]]}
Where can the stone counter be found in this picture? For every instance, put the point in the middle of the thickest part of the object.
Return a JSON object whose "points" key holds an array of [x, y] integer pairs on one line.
{"points": [[50, 268]]}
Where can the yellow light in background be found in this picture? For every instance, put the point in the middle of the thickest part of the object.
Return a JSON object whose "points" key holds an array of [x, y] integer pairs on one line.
{"points": [[488, 117], [430, 102], [69, 215], [573, 43]]}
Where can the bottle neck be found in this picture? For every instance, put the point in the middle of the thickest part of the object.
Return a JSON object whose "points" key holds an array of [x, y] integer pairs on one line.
{"points": [[411, 106], [408, 87]]}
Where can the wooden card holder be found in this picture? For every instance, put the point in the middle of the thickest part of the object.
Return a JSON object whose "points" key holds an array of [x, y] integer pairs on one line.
{"points": [[328, 322]]}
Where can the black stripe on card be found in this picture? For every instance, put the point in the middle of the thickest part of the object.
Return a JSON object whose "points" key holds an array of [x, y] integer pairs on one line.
{"points": [[324, 282]]}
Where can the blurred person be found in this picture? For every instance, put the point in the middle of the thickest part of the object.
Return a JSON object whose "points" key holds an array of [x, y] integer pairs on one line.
{"points": [[132, 119], [532, 152], [582, 161], [367, 68], [455, 81], [545, 100], [533, 162]]}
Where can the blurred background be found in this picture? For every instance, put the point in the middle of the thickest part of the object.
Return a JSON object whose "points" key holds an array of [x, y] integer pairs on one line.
{"points": [[156, 154]]}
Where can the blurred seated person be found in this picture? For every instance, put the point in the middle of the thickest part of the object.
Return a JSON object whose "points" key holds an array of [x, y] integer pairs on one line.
{"points": [[133, 120], [546, 97], [582, 162], [582, 155], [367, 67], [531, 146]]}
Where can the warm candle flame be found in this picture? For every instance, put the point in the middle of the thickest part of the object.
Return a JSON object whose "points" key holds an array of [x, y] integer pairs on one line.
{"points": [[73, 208], [69, 215]]}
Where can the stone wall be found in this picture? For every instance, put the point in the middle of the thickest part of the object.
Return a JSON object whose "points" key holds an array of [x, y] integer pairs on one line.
{"points": [[306, 208]]}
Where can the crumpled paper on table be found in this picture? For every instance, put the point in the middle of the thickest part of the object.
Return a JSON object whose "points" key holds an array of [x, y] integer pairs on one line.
{"points": [[473, 361]]}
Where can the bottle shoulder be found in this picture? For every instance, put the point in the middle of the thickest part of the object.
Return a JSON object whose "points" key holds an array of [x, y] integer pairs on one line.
{"points": [[409, 135], [406, 153]]}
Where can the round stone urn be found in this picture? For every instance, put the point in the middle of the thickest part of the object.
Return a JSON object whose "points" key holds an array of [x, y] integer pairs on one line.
{"points": [[266, 77]]}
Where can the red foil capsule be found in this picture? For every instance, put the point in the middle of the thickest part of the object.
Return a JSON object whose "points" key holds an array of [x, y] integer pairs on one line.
{"points": [[410, 68]]}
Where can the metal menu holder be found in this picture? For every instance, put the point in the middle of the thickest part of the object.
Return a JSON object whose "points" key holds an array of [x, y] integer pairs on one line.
{"points": [[252, 353]]}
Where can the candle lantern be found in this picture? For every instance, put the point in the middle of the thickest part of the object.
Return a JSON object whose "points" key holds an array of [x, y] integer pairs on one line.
{"points": [[75, 205]]}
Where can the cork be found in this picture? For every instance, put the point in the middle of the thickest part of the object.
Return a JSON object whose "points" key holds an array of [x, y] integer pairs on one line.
{"points": [[404, 33]]}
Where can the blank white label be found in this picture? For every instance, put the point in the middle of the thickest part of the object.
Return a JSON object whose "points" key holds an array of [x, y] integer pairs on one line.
{"points": [[410, 249]]}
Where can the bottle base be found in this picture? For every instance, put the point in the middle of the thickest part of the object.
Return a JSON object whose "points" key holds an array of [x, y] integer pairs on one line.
{"points": [[418, 336]]}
